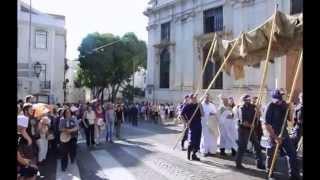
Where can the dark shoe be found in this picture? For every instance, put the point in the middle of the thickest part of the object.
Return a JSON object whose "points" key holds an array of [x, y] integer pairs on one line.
{"points": [[195, 158], [222, 152], [183, 149], [234, 152], [294, 178], [240, 166], [261, 166]]}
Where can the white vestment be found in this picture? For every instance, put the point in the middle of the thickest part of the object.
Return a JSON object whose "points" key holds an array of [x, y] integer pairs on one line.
{"points": [[228, 129], [42, 143], [210, 129]]}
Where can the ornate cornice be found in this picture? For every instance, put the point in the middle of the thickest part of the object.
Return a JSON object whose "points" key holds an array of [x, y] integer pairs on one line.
{"points": [[185, 16], [152, 26]]}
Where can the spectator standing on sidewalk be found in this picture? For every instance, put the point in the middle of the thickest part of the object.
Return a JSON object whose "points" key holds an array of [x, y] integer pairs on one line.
{"points": [[119, 119], [99, 123], [171, 111], [88, 120], [110, 120], [134, 113]]}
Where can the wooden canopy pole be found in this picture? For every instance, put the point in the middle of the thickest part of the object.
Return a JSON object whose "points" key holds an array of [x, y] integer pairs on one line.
{"points": [[275, 156], [211, 83], [213, 45], [264, 76]]}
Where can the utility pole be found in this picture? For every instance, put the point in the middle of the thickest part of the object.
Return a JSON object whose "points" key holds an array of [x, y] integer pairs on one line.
{"points": [[29, 45]]}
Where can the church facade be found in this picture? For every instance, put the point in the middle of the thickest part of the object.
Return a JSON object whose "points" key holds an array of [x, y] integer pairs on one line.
{"points": [[180, 35]]}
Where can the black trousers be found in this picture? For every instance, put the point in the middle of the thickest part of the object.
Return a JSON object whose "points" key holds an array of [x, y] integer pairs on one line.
{"points": [[135, 120], [118, 127], [185, 137], [243, 139], [288, 148], [69, 149], [89, 135]]}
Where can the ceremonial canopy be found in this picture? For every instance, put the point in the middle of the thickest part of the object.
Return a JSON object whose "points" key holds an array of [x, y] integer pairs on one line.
{"points": [[252, 46]]}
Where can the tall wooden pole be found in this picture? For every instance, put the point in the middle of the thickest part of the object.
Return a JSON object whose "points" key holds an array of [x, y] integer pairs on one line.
{"points": [[275, 156]]}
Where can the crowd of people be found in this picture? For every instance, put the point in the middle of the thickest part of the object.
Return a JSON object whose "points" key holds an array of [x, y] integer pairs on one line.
{"points": [[56, 128], [228, 126], [207, 127]]}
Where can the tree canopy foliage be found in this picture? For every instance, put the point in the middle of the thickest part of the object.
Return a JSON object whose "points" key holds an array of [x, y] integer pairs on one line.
{"points": [[112, 66]]}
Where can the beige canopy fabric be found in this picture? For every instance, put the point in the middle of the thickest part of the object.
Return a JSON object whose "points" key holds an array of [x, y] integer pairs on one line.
{"points": [[252, 46]]}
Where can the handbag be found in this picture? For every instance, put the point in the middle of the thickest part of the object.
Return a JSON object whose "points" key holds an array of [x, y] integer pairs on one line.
{"points": [[100, 122]]}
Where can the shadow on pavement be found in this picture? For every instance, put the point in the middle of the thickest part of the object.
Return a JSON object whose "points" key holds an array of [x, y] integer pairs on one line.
{"points": [[138, 143]]}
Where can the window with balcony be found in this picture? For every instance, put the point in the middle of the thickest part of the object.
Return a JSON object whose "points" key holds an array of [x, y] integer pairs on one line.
{"points": [[164, 69], [296, 6], [165, 31], [213, 20], [41, 39]]}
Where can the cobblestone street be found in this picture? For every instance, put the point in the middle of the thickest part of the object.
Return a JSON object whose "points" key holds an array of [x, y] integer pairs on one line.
{"points": [[146, 152]]}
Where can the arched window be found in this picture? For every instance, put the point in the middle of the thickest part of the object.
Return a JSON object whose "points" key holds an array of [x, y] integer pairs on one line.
{"points": [[210, 71], [164, 69]]}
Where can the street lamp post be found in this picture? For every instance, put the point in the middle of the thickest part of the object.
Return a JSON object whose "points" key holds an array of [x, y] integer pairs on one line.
{"points": [[65, 83]]}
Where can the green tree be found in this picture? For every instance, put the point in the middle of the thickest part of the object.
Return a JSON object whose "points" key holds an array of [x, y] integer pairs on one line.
{"points": [[128, 90], [111, 67]]}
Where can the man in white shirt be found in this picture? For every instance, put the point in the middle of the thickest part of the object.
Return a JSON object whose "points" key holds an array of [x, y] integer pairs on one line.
{"points": [[23, 122], [210, 128]]}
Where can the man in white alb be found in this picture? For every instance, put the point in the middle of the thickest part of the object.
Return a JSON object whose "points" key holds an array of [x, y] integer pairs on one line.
{"points": [[210, 128]]}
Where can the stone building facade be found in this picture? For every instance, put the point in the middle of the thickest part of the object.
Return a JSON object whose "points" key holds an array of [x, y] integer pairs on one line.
{"points": [[180, 34]]}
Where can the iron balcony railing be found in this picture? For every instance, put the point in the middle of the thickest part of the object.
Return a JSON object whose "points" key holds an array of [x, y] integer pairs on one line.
{"points": [[45, 84]]}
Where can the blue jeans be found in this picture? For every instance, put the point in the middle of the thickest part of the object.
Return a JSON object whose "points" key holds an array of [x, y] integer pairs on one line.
{"points": [[109, 134]]}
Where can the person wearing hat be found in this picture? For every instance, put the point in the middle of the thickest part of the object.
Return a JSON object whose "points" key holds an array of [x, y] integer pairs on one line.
{"points": [[23, 123], [246, 113], [227, 127], [185, 135], [195, 128], [274, 119]]}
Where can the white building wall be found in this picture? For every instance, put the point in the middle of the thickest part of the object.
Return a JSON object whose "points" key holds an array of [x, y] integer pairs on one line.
{"points": [[187, 23], [53, 56]]}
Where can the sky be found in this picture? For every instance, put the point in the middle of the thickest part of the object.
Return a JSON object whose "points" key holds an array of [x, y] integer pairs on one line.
{"points": [[103, 16]]}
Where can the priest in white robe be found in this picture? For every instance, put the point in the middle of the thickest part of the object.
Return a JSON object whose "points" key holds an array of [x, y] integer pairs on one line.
{"points": [[210, 128], [227, 127]]}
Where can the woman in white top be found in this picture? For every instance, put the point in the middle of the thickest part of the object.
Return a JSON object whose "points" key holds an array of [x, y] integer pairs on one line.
{"points": [[88, 120], [42, 142]]}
